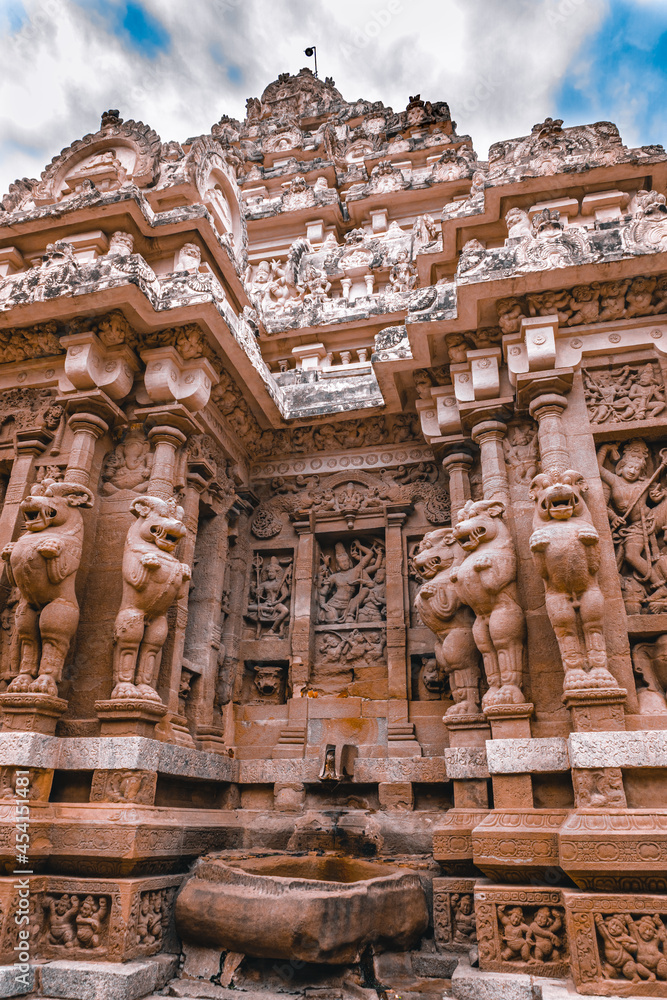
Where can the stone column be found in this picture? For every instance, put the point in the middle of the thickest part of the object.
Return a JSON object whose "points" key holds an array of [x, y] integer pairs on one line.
{"points": [[547, 410], [87, 429], [396, 632], [29, 444], [457, 465], [166, 439], [489, 434]]}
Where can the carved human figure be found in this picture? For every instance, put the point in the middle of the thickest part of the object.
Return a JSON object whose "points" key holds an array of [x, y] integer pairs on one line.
{"points": [[403, 274], [543, 937], [619, 949], [43, 564], [61, 912], [651, 937], [647, 395], [269, 595], [486, 581], [566, 552], [128, 466], [518, 225], [521, 452], [515, 931], [89, 921], [152, 579], [464, 925], [442, 610], [345, 588], [633, 522], [316, 285]]}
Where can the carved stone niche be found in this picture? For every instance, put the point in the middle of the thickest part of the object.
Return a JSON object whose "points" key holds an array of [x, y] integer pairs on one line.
{"points": [[521, 929], [269, 607], [351, 613], [454, 921], [428, 681], [264, 683], [618, 943], [634, 479]]}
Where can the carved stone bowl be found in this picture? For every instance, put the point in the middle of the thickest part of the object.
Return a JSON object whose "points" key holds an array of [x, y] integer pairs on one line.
{"points": [[315, 909]]}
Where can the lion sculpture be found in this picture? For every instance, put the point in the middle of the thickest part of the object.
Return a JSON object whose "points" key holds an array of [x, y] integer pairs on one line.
{"points": [[152, 579], [441, 610], [566, 552], [43, 564], [486, 581]]}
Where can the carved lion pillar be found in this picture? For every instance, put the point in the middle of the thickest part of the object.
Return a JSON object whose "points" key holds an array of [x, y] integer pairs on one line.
{"points": [[457, 465]]}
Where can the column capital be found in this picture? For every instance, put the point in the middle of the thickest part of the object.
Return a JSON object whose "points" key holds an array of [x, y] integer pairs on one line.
{"points": [[457, 460], [553, 402], [489, 430], [90, 422]]}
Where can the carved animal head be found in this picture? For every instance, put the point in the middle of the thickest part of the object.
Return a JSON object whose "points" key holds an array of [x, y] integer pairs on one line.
{"points": [[559, 495], [267, 679], [437, 552], [160, 521], [479, 522], [431, 678], [50, 504]]}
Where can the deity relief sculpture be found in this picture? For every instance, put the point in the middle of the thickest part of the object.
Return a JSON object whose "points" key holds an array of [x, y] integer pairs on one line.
{"points": [[128, 466], [151, 917], [403, 274], [540, 940], [270, 594], [521, 452], [622, 394], [43, 564], [486, 581], [152, 579], [76, 923], [637, 506], [352, 583], [566, 552], [442, 610], [464, 925]]}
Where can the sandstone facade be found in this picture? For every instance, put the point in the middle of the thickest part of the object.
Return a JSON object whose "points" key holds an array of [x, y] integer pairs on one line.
{"points": [[335, 520]]}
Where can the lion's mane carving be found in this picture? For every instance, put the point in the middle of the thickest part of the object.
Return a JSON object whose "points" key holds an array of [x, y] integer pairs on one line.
{"points": [[152, 578], [566, 552], [441, 610], [486, 582], [43, 564]]}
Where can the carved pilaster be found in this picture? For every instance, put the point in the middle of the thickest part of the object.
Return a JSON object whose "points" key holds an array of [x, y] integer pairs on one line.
{"points": [[457, 465], [489, 435]]}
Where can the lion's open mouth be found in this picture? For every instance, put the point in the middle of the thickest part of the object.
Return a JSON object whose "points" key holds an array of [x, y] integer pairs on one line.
{"points": [[559, 506], [429, 567], [165, 538], [470, 538], [38, 518]]}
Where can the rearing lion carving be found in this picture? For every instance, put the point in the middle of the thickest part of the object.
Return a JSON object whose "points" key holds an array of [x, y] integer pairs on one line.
{"points": [[43, 564], [566, 552], [441, 610], [152, 578], [486, 582]]}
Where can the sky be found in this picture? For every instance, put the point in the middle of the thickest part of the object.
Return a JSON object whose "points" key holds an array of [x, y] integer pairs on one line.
{"points": [[178, 65]]}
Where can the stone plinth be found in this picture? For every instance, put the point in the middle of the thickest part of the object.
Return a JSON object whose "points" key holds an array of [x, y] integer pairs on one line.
{"points": [[512, 844], [28, 712], [129, 717]]}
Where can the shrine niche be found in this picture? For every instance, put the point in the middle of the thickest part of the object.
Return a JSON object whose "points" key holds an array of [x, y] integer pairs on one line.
{"points": [[334, 573]]}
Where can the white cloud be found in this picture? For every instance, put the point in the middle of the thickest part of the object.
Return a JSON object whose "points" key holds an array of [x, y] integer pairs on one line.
{"points": [[497, 62]]}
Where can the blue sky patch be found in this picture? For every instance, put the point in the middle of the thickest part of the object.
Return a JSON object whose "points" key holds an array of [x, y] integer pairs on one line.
{"points": [[131, 23]]}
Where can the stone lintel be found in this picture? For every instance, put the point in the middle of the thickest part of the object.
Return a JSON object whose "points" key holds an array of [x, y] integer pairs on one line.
{"points": [[526, 755], [619, 749], [428, 769], [110, 753], [466, 762]]}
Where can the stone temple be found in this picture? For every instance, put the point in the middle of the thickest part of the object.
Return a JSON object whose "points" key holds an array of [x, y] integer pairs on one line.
{"points": [[333, 641]]}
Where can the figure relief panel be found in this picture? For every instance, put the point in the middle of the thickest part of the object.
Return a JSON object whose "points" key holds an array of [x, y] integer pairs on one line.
{"points": [[634, 479], [624, 394], [351, 609], [268, 611], [128, 466]]}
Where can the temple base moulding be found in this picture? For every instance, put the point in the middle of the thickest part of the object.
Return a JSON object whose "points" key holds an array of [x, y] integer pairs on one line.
{"points": [[31, 712], [511, 845], [129, 716], [615, 850], [467, 730], [510, 722], [452, 840]]}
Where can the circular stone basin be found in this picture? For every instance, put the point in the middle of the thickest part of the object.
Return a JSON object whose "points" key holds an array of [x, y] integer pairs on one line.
{"points": [[315, 909]]}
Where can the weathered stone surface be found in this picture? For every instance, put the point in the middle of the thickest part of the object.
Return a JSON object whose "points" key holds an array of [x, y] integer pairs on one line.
{"points": [[521, 756], [634, 749], [466, 762], [94, 980], [10, 983]]}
